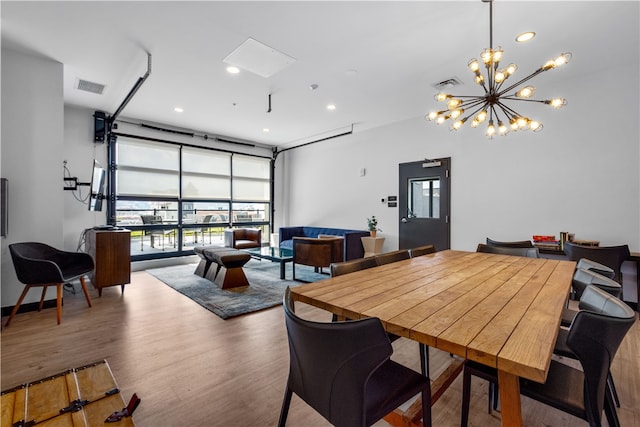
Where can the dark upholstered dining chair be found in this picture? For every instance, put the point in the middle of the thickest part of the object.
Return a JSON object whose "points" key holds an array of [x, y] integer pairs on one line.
{"points": [[594, 338], [38, 264], [611, 256], [592, 301], [509, 250], [344, 267], [343, 370], [514, 244], [394, 256]]}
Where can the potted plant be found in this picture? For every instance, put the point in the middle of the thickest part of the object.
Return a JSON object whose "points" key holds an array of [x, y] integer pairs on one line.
{"points": [[372, 225]]}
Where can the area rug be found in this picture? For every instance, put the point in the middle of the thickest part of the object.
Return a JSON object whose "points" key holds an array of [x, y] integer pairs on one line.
{"points": [[266, 290]]}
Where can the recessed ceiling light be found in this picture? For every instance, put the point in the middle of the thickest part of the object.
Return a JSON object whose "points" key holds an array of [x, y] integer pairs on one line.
{"points": [[525, 37], [265, 130], [331, 107], [178, 109], [233, 70]]}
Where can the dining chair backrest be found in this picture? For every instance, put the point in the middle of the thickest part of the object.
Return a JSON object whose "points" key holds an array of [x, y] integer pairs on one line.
{"points": [[594, 266], [330, 363], [514, 244], [594, 337], [393, 256], [422, 250], [340, 268], [611, 256], [583, 278], [504, 250]]}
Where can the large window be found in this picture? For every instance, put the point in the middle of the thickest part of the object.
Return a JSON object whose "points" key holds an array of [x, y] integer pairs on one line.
{"points": [[173, 197]]}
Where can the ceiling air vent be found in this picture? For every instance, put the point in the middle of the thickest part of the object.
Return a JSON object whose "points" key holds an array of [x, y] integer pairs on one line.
{"points": [[448, 83], [88, 86]]}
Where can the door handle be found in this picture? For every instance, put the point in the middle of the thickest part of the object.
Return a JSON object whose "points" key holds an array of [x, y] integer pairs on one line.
{"points": [[404, 220]]}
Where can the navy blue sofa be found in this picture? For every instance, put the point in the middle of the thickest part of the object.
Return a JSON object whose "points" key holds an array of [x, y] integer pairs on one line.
{"points": [[352, 244]]}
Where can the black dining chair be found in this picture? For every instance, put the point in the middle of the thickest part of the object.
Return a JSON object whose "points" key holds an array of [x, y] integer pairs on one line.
{"points": [[343, 370], [611, 256], [508, 250], [594, 338], [38, 264], [590, 300], [514, 244]]}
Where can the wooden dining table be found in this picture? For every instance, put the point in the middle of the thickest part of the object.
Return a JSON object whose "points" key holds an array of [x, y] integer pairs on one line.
{"points": [[498, 310]]}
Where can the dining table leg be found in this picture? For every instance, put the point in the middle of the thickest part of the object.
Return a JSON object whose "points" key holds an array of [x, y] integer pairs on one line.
{"points": [[509, 386]]}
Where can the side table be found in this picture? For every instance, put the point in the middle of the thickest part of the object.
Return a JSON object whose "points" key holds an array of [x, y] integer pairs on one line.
{"points": [[372, 245]]}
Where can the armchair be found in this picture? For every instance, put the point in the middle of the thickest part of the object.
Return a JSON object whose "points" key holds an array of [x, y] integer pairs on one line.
{"points": [[242, 238], [317, 252], [38, 264]]}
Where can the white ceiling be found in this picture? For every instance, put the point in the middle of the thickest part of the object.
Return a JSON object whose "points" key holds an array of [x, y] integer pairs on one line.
{"points": [[375, 60]]}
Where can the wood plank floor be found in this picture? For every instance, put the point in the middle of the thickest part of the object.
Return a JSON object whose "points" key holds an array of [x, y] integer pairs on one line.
{"points": [[190, 368]]}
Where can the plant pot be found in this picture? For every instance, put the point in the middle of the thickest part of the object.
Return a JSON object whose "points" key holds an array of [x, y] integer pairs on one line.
{"points": [[373, 233]]}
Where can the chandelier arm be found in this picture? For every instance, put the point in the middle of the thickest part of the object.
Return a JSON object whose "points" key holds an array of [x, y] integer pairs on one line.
{"points": [[514, 98], [508, 112], [474, 113], [473, 102], [495, 113], [505, 108], [518, 83]]}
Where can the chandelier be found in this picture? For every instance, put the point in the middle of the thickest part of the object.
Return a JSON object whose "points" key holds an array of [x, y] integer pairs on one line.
{"points": [[492, 105]]}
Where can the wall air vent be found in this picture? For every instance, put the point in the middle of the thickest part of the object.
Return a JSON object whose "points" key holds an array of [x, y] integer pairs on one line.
{"points": [[448, 83], [88, 86]]}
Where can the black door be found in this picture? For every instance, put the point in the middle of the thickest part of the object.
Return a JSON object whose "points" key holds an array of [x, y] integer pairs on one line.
{"points": [[424, 204]]}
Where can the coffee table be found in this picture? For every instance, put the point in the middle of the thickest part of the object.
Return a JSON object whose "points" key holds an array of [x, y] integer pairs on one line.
{"points": [[273, 253]]}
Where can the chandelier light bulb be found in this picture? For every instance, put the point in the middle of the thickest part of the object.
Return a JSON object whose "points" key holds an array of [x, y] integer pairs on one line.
{"points": [[511, 68], [526, 92], [474, 123], [522, 122], [479, 79], [485, 55], [535, 125], [441, 96], [497, 55], [431, 116], [513, 123], [440, 119], [452, 103], [562, 59], [502, 129], [491, 129], [474, 65], [457, 125], [457, 113], [500, 76], [481, 116], [557, 102]]}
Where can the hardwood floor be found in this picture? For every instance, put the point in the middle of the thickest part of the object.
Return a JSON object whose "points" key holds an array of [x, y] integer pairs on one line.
{"points": [[190, 368]]}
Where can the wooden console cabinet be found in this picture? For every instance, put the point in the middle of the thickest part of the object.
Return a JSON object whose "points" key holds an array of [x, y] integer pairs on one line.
{"points": [[111, 252]]}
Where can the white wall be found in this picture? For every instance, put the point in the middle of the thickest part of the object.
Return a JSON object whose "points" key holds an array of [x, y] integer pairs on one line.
{"points": [[32, 153], [79, 152], [580, 174]]}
